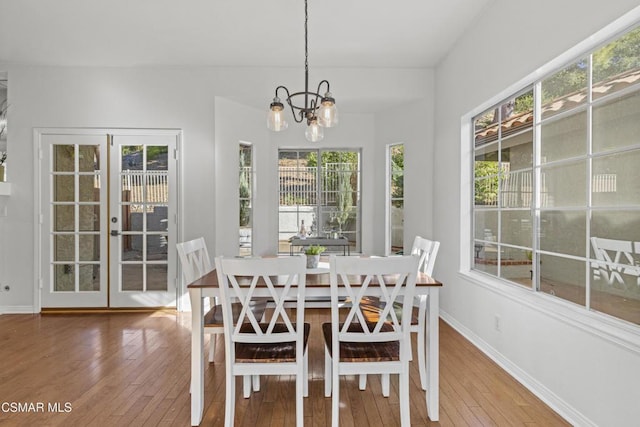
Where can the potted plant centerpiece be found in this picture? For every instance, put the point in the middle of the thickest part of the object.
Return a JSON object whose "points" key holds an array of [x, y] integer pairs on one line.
{"points": [[313, 255]]}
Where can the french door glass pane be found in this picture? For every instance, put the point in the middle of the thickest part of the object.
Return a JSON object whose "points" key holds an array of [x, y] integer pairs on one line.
{"points": [[89, 217], [156, 277], [63, 188], [89, 277], [63, 278], [63, 217], [132, 277], [63, 156]]}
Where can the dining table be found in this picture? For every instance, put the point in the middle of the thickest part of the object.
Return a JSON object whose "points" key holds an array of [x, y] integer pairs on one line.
{"points": [[317, 286]]}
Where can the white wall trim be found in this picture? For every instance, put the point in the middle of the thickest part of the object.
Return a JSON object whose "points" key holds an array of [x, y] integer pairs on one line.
{"points": [[17, 309], [566, 411]]}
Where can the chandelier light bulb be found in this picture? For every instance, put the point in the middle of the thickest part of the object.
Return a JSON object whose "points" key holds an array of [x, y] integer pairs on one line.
{"points": [[275, 117], [328, 113], [314, 132]]}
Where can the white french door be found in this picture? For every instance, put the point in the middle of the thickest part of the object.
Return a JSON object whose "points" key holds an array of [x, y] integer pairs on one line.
{"points": [[108, 218]]}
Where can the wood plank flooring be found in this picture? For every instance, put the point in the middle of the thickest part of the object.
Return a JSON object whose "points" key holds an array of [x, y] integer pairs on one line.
{"points": [[132, 369]]}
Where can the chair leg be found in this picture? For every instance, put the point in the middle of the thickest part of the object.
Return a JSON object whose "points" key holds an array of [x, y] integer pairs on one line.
{"points": [[246, 386], [305, 374], [212, 346], [335, 397], [405, 415], [301, 381], [327, 372], [255, 379], [422, 332], [362, 383], [229, 401], [384, 379]]}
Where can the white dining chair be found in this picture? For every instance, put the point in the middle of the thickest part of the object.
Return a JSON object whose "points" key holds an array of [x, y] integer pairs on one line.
{"points": [[355, 345], [275, 347], [195, 263], [427, 251]]}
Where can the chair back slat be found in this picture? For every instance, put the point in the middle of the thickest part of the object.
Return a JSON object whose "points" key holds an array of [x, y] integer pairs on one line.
{"points": [[249, 280], [427, 250], [194, 259], [389, 279]]}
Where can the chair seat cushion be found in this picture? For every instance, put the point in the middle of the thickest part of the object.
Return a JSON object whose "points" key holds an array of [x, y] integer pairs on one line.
{"points": [[372, 307], [214, 318], [363, 351], [271, 352]]}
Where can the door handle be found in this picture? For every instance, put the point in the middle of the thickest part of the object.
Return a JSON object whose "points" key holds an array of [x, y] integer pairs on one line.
{"points": [[115, 233]]}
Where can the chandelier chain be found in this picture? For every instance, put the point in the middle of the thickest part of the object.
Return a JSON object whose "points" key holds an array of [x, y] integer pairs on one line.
{"points": [[306, 50]]}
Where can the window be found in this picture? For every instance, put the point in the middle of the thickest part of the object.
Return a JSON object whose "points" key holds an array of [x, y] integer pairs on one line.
{"points": [[395, 199], [322, 190], [556, 195], [245, 197]]}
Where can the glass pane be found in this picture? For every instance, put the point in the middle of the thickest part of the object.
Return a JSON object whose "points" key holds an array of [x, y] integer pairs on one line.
{"points": [[131, 157], [63, 158], [620, 225], [157, 218], [515, 265], [245, 213], [517, 228], [131, 247], [244, 241], [486, 191], [564, 185], [133, 188], [564, 138], [89, 277], [89, 160], [89, 189], [397, 226], [132, 278], [617, 123], [245, 156], [615, 64], [64, 278], [615, 276], [516, 189], [563, 278], [486, 225], [563, 232], [486, 127], [157, 188], [89, 247], [486, 258], [486, 161], [63, 188], [566, 89], [397, 185], [89, 217], [156, 277], [616, 180], [157, 157], [156, 247], [63, 218], [132, 218], [517, 151], [64, 247]]}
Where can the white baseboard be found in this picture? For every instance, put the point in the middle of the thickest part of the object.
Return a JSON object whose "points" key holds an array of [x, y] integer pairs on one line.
{"points": [[16, 309], [568, 412]]}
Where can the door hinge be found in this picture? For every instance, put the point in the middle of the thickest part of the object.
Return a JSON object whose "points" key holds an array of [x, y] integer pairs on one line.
{"points": [[40, 283], [175, 154]]}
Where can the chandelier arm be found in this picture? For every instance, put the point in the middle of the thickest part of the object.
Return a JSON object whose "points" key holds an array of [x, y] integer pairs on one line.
{"points": [[320, 86]]}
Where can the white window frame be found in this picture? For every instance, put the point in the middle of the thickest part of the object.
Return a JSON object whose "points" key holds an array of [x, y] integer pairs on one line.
{"points": [[389, 199], [604, 326]]}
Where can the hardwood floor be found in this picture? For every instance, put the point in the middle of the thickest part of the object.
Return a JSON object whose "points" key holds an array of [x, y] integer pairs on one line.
{"points": [[132, 369]]}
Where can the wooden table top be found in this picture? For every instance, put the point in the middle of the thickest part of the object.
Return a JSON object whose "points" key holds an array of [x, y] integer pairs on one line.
{"points": [[210, 280]]}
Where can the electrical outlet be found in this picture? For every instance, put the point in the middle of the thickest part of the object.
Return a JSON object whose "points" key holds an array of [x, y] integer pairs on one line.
{"points": [[496, 323]]}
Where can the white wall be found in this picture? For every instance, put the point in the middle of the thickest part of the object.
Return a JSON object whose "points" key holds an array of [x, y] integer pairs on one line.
{"points": [[413, 125], [591, 380], [210, 105]]}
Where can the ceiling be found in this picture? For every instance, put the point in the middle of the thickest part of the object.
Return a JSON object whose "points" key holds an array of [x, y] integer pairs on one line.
{"points": [[237, 33], [342, 33]]}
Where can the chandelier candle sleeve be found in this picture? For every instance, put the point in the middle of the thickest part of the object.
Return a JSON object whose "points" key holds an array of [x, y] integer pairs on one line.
{"points": [[318, 110]]}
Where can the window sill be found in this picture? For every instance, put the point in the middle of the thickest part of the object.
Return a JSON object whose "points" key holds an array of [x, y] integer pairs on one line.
{"points": [[626, 335]]}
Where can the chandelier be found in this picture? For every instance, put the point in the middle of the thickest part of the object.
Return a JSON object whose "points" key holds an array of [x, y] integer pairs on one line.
{"points": [[318, 110]]}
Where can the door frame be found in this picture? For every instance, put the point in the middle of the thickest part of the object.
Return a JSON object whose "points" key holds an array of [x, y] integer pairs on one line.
{"points": [[38, 133]]}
